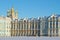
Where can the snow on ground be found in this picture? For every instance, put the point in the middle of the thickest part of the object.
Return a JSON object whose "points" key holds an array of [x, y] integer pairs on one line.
{"points": [[29, 38]]}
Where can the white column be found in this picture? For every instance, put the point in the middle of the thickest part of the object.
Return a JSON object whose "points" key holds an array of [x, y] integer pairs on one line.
{"points": [[55, 28]]}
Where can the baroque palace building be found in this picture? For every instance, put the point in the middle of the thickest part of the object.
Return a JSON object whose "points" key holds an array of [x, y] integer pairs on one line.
{"points": [[41, 26]]}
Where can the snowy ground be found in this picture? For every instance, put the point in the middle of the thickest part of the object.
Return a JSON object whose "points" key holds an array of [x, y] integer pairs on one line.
{"points": [[29, 38]]}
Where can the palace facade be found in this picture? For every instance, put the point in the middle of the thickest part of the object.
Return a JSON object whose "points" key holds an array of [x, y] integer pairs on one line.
{"points": [[41, 26]]}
